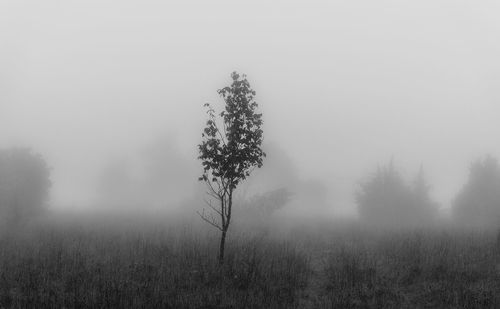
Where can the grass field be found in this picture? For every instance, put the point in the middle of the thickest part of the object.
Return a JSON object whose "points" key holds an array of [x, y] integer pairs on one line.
{"points": [[98, 265]]}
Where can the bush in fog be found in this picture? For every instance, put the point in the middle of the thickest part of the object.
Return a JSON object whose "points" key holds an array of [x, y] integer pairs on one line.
{"points": [[386, 199], [24, 184], [263, 205], [478, 202]]}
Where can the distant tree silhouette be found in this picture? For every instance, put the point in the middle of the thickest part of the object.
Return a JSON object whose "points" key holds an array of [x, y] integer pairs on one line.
{"points": [[385, 199], [427, 209], [263, 205], [478, 202], [279, 172], [229, 151], [270, 188], [167, 174], [158, 175], [24, 184]]}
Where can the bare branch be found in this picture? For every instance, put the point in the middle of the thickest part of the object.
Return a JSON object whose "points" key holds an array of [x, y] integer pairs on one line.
{"points": [[216, 192], [210, 221], [212, 195], [209, 204]]}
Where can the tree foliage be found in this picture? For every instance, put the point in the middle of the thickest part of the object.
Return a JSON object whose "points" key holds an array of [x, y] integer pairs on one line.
{"points": [[230, 149], [24, 184], [478, 202], [386, 199], [230, 154]]}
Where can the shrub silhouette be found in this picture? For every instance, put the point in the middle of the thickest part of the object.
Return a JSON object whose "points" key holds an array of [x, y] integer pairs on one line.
{"points": [[478, 202], [263, 205], [385, 199]]}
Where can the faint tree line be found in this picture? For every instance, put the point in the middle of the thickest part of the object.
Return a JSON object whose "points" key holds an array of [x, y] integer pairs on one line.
{"points": [[386, 199], [478, 202]]}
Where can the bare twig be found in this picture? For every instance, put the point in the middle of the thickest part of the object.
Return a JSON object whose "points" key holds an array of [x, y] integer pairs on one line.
{"points": [[209, 204], [210, 221]]}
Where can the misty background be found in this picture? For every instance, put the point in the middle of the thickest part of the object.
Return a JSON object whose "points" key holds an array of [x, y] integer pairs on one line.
{"points": [[108, 91]]}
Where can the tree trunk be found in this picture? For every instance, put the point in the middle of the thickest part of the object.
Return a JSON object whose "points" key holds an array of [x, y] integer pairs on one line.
{"points": [[222, 246], [225, 227]]}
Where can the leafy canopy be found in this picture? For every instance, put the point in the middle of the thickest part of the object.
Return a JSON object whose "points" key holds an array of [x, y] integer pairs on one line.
{"points": [[230, 150]]}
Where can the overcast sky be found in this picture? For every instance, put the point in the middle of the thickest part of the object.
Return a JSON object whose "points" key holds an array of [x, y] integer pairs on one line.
{"points": [[343, 85]]}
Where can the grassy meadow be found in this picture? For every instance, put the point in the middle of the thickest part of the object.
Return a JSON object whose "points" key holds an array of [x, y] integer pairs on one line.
{"points": [[98, 264]]}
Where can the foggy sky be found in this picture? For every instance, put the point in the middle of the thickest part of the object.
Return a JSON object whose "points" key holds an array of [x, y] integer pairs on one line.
{"points": [[343, 85]]}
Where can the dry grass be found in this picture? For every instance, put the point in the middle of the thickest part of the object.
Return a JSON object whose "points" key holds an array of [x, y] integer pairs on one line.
{"points": [[77, 268], [97, 266], [418, 269]]}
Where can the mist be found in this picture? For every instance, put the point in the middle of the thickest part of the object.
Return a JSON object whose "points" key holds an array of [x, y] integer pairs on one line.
{"points": [[379, 124], [342, 86]]}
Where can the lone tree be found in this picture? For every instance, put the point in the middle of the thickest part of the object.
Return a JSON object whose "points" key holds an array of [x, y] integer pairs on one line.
{"points": [[230, 150]]}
